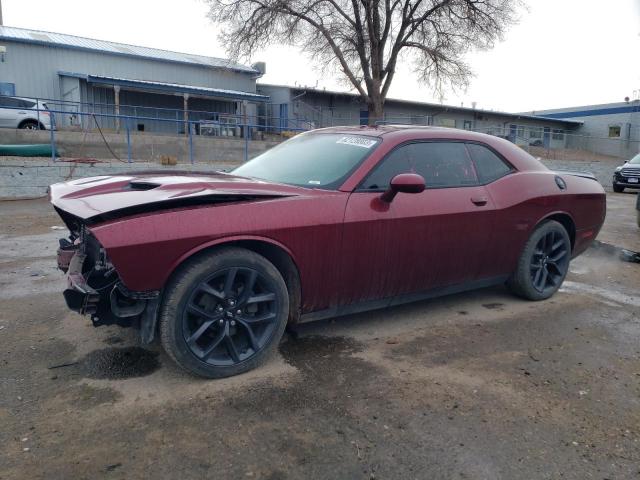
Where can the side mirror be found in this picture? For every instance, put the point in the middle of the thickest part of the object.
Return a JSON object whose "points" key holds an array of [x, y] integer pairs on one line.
{"points": [[403, 183]]}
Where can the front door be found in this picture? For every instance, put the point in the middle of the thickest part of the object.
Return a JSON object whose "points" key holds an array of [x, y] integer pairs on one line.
{"points": [[417, 242]]}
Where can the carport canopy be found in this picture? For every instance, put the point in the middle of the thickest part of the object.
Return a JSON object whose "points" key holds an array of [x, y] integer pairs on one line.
{"points": [[168, 88], [185, 91]]}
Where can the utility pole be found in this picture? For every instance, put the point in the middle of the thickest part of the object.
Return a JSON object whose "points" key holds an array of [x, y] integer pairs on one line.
{"points": [[1, 14]]}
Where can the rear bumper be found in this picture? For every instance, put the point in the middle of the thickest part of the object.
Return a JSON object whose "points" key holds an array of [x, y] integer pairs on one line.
{"points": [[584, 238]]}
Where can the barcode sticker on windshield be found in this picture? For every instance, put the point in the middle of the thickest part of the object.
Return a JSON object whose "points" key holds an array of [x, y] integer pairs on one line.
{"points": [[357, 142]]}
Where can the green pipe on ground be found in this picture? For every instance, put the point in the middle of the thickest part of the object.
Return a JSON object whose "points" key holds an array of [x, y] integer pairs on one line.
{"points": [[32, 150]]}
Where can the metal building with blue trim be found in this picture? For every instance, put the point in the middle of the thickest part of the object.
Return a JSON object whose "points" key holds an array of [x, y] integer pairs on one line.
{"points": [[608, 128], [124, 79]]}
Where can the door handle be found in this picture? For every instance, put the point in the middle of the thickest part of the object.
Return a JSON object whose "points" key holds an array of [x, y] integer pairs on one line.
{"points": [[479, 201]]}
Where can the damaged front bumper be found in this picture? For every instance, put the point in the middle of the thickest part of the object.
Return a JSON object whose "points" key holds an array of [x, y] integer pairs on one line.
{"points": [[79, 295], [94, 288]]}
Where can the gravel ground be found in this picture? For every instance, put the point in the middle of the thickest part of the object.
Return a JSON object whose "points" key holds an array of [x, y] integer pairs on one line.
{"points": [[473, 386]]}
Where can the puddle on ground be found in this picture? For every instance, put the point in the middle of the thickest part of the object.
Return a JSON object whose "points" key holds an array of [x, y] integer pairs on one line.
{"points": [[119, 363], [304, 351]]}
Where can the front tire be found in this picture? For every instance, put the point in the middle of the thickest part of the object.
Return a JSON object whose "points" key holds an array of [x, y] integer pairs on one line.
{"points": [[617, 188], [223, 312], [543, 264]]}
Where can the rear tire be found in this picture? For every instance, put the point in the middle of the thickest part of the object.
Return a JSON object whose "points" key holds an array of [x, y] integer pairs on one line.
{"points": [[29, 125], [223, 312], [618, 188], [543, 264]]}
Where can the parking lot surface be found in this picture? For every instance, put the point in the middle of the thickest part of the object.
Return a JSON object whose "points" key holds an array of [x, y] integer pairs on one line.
{"points": [[479, 385]]}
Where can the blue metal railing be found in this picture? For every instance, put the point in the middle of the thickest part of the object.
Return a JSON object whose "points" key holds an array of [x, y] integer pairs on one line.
{"points": [[192, 126], [68, 108]]}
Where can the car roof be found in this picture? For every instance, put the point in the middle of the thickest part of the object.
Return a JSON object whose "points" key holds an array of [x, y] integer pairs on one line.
{"points": [[372, 130], [409, 132], [21, 98]]}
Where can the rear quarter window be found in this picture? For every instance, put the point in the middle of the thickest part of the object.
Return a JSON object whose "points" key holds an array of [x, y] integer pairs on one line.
{"points": [[10, 102], [489, 166]]}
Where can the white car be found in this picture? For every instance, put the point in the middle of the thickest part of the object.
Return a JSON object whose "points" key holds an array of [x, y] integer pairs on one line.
{"points": [[25, 113]]}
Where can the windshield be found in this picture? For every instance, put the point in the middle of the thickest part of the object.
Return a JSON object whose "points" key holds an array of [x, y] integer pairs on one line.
{"points": [[315, 160], [635, 160]]}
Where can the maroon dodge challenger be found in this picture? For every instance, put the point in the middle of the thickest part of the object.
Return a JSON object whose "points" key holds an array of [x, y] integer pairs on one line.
{"points": [[331, 222]]}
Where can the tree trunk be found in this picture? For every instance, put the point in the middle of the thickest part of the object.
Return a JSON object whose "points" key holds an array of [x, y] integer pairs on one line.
{"points": [[376, 111]]}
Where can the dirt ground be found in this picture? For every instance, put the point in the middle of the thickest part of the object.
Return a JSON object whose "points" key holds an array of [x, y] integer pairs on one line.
{"points": [[479, 385]]}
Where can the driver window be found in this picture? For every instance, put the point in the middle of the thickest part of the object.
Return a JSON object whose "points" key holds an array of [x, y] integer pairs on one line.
{"points": [[441, 164], [397, 162], [444, 164]]}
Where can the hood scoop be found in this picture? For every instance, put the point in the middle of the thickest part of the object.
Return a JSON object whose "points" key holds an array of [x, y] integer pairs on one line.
{"points": [[141, 185]]}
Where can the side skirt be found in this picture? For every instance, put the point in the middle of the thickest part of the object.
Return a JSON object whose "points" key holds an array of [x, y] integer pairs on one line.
{"points": [[401, 299]]}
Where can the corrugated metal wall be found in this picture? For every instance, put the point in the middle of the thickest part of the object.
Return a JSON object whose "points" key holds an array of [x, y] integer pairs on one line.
{"points": [[328, 109], [34, 70]]}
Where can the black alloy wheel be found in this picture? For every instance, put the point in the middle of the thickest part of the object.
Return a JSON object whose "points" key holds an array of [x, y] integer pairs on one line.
{"points": [[223, 312], [230, 316], [549, 261], [544, 262]]}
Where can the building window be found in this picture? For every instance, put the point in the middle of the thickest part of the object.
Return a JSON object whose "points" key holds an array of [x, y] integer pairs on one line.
{"points": [[7, 88], [535, 133], [467, 125], [614, 131], [557, 135], [447, 122], [520, 132]]}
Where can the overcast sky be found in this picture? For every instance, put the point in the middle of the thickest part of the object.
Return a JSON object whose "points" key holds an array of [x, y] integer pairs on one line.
{"points": [[562, 53]]}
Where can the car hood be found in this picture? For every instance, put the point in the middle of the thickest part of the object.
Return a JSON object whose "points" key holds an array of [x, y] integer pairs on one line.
{"points": [[105, 197]]}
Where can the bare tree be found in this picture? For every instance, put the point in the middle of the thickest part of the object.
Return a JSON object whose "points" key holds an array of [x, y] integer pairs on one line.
{"points": [[365, 39]]}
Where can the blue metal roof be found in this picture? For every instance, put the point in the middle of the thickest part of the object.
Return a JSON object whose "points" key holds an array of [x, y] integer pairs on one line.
{"points": [[168, 87], [80, 43], [593, 111]]}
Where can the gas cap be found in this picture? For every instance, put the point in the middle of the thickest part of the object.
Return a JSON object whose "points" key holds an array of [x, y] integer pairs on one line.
{"points": [[562, 185]]}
